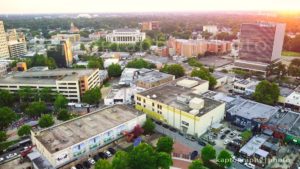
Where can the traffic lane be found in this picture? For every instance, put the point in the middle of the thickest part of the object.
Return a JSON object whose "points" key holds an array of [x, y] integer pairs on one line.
{"points": [[10, 152]]}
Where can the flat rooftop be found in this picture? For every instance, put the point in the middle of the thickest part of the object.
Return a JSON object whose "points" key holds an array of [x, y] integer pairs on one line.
{"points": [[45, 77], [252, 110], [153, 76], [170, 92], [253, 145], [74, 131]]}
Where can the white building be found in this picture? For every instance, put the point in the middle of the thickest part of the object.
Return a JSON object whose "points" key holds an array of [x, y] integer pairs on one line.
{"points": [[72, 83], [80, 137], [211, 29], [17, 49], [3, 69], [241, 85], [3, 43], [125, 36]]}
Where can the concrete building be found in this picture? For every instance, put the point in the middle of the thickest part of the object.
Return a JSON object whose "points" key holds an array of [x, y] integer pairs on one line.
{"points": [[73, 28], [150, 25], [17, 49], [72, 83], [126, 36], [79, 137], [61, 52], [181, 105], [211, 29], [122, 95], [13, 35], [240, 86], [3, 69], [98, 35], [4, 53], [71, 37], [253, 147], [293, 100], [261, 45], [151, 78]]}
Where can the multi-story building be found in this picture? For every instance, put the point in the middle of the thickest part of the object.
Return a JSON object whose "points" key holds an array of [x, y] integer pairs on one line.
{"points": [[61, 52], [3, 69], [73, 28], [13, 35], [151, 78], [98, 35], [150, 25], [125, 36], [71, 37], [80, 137], [240, 86], [181, 104], [69, 82], [260, 45], [17, 49], [211, 29], [4, 53]]}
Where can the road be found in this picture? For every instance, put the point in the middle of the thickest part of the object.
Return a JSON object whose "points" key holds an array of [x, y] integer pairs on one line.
{"points": [[6, 153]]}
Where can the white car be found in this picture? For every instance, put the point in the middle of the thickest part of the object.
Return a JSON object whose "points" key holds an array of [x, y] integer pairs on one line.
{"points": [[240, 160], [11, 155], [1, 159], [92, 161], [226, 141], [250, 165], [108, 153], [73, 167]]}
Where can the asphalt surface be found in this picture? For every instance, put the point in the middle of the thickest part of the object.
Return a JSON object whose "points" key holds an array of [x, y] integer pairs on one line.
{"points": [[10, 152]]}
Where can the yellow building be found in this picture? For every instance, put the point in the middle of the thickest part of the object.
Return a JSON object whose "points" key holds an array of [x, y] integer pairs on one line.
{"points": [[181, 105]]}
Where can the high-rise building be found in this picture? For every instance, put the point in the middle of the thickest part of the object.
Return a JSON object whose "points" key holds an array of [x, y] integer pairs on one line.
{"points": [[17, 49], [4, 53], [60, 51], [73, 28], [72, 37], [13, 35], [151, 25], [261, 45]]}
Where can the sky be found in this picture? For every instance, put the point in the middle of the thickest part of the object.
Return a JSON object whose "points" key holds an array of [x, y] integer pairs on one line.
{"points": [[102, 6]]}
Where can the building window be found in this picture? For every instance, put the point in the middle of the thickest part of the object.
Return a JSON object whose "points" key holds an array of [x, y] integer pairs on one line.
{"points": [[159, 106], [138, 98], [144, 101], [153, 104]]}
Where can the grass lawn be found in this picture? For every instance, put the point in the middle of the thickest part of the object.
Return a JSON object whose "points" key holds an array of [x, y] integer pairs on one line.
{"points": [[290, 53]]}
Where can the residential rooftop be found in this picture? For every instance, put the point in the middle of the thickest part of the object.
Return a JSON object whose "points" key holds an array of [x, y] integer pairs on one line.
{"points": [[174, 94], [74, 131], [152, 76], [253, 146]]}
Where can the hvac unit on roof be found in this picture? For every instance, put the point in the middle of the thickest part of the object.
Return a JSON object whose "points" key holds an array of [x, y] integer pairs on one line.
{"points": [[154, 96]]}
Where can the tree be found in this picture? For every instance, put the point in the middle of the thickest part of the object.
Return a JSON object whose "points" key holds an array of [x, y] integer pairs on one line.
{"points": [[36, 109], [196, 164], [194, 62], [24, 130], [266, 92], [39, 60], [60, 102], [95, 63], [82, 47], [208, 153], [3, 136], [6, 98], [46, 94], [25, 94], [294, 68], [46, 121], [114, 70], [121, 160], [103, 164], [143, 156], [246, 135], [50, 62], [140, 63], [92, 96], [164, 160], [224, 159], [148, 126], [63, 115], [165, 144], [146, 44], [174, 69], [7, 116], [205, 75]]}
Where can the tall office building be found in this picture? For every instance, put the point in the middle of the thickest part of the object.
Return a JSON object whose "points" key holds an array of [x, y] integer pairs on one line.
{"points": [[17, 49], [261, 45], [4, 53], [60, 51]]}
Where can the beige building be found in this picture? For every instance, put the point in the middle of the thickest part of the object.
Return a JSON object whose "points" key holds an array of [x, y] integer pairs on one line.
{"points": [[83, 136], [13, 35], [17, 49], [71, 37], [4, 53], [126, 36], [152, 79], [181, 104], [72, 83]]}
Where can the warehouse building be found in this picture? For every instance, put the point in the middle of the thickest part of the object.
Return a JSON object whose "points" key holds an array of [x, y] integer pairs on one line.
{"points": [[79, 137], [181, 105]]}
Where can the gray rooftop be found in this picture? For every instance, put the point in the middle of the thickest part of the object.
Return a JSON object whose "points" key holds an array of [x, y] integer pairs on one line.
{"points": [[253, 145], [152, 76], [168, 94], [74, 131], [285, 91]]}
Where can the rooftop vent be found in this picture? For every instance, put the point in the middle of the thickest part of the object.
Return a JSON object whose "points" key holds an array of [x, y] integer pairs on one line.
{"points": [[154, 96], [196, 103]]}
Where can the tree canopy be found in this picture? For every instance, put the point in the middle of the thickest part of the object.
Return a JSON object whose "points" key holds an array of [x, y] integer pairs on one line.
{"points": [[24, 130], [121, 160], [205, 75], [114, 70], [266, 92], [46, 121], [208, 153], [36, 109], [3, 136], [142, 155], [95, 63], [148, 126], [7, 116], [60, 102], [164, 160], [92, 96], [294, 68], [165, 144], [197, 164], [175, 69], [246, 135], [140, 63], [63, 115], [103, 164], [224, 159], [6, 98]]}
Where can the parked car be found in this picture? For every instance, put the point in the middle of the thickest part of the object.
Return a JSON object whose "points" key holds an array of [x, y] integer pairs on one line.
{"points": [[96, 157], [191, 137], [201, 143], [165, 126], [91, 161], [102, 155], [11, 155], [222, 136], [250, 165], [86, 164], [73, 167], [181, 133], [112, 150], [227, 132], [158, 122], [79, 166], [173, 129], [108, 154]]}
